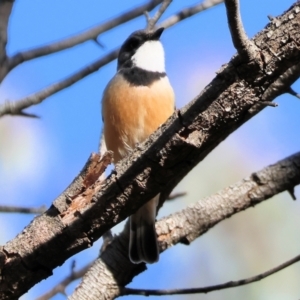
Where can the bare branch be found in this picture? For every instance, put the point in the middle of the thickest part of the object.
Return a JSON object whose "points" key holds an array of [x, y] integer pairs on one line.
{"points": [[5, 10], [60, 288], [90, 34], [291, 191], [152, 21], [17, 107], [22, 210], [176, 195], [187, 225], [246, 48], [267, 103], [281, 84], [205, 290], [294, 93], [188, 12]]}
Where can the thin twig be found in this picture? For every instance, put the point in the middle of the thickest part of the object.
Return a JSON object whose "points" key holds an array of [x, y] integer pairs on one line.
{"points": [[268, 103], [293, 93], [278, 86], [204, 290], [16, 108], [188, 12], [246, 48], [61, 286], [176, 195], [22, 210], [90, 34], [291, 191], [152, 21]]}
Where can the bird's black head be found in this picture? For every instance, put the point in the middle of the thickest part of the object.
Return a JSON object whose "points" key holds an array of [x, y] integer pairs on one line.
{"points": [[133, 43]]}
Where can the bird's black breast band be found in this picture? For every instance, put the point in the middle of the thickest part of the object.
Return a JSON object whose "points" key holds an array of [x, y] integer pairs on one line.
{"points": [[137, 76]]}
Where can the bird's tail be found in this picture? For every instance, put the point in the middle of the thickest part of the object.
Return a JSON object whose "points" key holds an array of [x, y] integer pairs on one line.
{"points": [[143, 242]]}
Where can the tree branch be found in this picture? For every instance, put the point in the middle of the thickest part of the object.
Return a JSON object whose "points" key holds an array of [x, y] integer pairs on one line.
{"points": [[188, 12], [23, 210], [90, 34], [205, 290], [17, 107], [246, 48], [152, 21], [185, 226], [293, 93], [281, 82], [87, 209], [5, 10], [60, 288]]}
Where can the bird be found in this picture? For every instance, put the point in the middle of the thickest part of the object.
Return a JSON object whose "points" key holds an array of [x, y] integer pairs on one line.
{"points": [[135, 102]]}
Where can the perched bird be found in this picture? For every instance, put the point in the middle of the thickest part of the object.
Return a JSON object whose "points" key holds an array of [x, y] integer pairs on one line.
{"points": [[137, 100]]}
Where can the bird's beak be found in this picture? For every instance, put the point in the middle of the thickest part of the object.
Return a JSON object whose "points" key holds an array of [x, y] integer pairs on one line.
{"points": [[155, 35]]}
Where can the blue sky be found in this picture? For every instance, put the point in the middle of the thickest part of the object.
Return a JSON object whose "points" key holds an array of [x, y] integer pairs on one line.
{"points": [[39, 158]]}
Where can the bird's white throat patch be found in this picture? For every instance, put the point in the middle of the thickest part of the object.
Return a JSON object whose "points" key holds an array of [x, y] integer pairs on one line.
{"points": [[150, 56]]}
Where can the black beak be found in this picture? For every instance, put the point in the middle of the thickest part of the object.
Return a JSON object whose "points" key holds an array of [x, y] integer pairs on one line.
{"points": [[155, 35]]}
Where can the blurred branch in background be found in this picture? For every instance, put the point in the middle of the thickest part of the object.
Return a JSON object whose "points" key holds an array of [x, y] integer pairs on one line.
{"points": [[17, 107], [23, 210], [5, 10], [61, 287], [90, 34], [188, 12], [208, 289], [152, 21]]}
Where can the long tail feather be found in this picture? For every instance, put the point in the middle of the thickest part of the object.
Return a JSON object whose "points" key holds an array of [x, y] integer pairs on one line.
{"points": [[143, 242]]}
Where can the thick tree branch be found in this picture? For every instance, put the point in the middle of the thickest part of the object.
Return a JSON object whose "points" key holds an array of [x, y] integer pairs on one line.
{"points": [[90, 34], [205, 290], [246, 48], [185, 226], [88, 209], [74, 275]]}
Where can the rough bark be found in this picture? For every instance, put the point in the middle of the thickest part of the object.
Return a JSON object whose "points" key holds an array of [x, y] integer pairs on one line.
{"points": [[76, 219], [113, 270]]}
